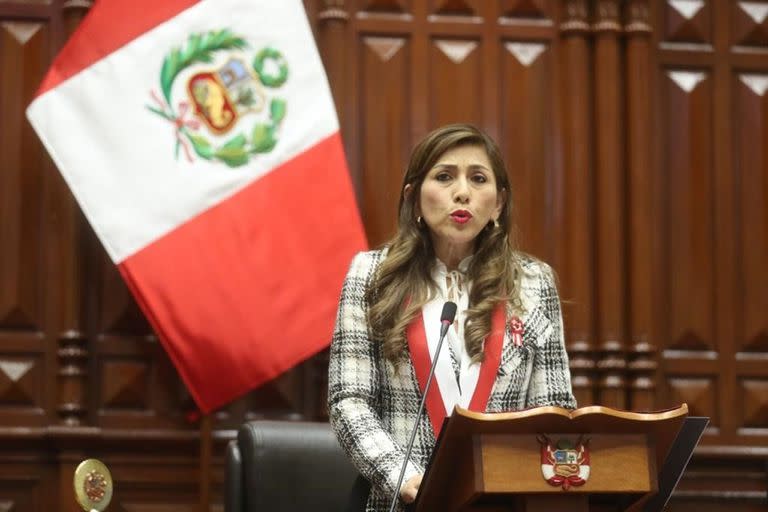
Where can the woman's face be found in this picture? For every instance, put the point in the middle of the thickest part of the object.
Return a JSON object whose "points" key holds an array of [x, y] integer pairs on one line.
{"points": [[458, 199]]}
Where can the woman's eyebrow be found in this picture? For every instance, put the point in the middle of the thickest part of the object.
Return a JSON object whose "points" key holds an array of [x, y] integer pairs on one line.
{"points": [[454, 166]]}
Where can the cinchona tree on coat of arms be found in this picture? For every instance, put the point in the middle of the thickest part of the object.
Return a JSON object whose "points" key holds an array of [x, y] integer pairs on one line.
{"points": [[212, 120]]}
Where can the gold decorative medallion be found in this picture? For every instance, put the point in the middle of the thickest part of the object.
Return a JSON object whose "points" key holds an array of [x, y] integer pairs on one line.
{"points": [[93, 485]]}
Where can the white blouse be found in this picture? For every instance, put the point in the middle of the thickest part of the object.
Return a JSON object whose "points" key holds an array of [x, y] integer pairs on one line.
{"points": [[456, 382]]}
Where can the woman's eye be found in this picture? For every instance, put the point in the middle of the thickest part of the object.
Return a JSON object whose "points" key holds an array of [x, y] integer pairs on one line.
{"points": [[443, 176], [479, 178]]}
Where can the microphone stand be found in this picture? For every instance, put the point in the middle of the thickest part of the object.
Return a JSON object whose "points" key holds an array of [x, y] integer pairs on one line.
{"points": [[443, 331]]}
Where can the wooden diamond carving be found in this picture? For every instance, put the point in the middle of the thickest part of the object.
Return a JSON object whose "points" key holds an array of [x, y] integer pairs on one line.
{"points": [[457, 51], [454, 8], [119, 312], [17, 382], [17, 317], [750, 23], [384, 47], [21, 31], [755, 393], [524, 9], [687, 21], [383, 6], [689, 340], [757, 342], [124, 384], [698, 393], [525, 53]]}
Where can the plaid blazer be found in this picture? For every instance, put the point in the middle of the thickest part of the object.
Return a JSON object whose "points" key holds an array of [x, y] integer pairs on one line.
{"points": [[373, 408]]}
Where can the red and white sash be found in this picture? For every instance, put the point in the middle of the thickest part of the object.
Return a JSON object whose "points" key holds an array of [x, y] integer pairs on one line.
{"points": [[444, 388]]}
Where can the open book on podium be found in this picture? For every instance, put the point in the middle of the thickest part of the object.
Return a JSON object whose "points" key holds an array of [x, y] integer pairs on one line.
{"points": [[553, 459]]}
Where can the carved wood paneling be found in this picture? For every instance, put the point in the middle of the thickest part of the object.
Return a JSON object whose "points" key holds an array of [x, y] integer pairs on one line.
{"points": [[754, 393], [23, 45], [454, 7], [24, 54], [385, 6], [527, 131], [454, 68], [751, 168], [688, 175], [531, 9], [688, 21], [700, 395], [749, 23], [384, 85]]}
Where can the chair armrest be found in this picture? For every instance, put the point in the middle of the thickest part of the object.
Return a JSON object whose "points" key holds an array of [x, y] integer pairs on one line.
{"points": [[233, 471]]}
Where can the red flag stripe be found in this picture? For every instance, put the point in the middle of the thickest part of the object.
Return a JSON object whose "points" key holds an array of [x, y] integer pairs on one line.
{"points": [[280, 226], [98, 35]]}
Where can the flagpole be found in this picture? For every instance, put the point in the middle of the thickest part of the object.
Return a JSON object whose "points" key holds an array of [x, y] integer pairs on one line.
{"points": [[205, 462]]}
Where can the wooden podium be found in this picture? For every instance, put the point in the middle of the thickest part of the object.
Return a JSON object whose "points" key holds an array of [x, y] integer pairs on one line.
{"points": [[548, 459]]}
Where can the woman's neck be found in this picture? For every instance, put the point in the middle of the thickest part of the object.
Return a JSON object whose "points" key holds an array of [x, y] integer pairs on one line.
{"points": [[452, 255]]}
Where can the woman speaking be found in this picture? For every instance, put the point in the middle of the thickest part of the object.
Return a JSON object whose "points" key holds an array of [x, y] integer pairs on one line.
{"points": [[504, 351]]}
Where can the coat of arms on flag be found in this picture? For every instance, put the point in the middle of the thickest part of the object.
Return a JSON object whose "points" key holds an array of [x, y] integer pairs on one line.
{"points": [[564, 464], [221, 97]]}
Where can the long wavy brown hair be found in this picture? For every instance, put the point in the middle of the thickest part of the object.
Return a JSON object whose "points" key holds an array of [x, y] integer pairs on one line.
{"points": [[403, 282]]}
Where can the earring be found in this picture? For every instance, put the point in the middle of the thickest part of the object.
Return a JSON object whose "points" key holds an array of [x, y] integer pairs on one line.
{"points": [[418, 221], [495, 223]]}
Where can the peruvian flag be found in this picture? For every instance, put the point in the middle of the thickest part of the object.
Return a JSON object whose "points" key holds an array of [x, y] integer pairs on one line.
{"points": [[201, 141]]}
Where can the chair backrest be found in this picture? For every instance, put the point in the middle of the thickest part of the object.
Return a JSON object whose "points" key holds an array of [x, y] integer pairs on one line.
{"points": [[292, 466]]}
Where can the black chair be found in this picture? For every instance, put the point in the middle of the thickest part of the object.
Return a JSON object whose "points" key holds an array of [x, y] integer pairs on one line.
{"points": [[285, 466]]}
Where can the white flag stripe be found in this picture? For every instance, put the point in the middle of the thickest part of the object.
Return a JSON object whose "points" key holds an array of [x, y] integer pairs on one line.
{"points": [[134, 190]]}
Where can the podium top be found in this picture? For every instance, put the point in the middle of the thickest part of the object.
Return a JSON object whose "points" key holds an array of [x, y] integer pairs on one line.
{"points": [[662, 425]]}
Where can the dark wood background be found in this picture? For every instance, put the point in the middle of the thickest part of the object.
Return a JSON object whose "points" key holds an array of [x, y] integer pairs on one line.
{"points": [[636, 134]]}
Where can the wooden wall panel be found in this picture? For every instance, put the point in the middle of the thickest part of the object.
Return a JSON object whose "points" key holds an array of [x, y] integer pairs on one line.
{"points": [[687, 21], [751, 166], [384, 90], [689, 195], [708, 171], [527, 128], [24, 49], [455, 80]]}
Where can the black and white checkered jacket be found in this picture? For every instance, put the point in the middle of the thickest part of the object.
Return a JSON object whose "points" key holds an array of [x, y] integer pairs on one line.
{"points": [[373, 408]]}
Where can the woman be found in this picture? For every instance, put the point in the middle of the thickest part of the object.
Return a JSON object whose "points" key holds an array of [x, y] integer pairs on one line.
{"points": [[505, 350]]}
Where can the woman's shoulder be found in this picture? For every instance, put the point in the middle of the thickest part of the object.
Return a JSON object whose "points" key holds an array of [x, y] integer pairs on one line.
{"points": [[366, 261], [532, 267], [369, 257]]}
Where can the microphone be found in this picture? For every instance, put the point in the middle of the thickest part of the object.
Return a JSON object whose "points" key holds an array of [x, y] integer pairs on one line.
{"points": [[446, 319]]}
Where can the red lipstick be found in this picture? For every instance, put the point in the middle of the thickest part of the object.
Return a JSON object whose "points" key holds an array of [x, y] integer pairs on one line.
{"points": [[461, 216]]}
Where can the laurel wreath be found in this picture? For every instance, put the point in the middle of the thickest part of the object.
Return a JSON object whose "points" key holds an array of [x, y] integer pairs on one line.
{"points": [[200, 48]]}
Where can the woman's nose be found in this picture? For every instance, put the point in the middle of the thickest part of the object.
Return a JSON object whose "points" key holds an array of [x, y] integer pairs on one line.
{"points": [[461, 191]]}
